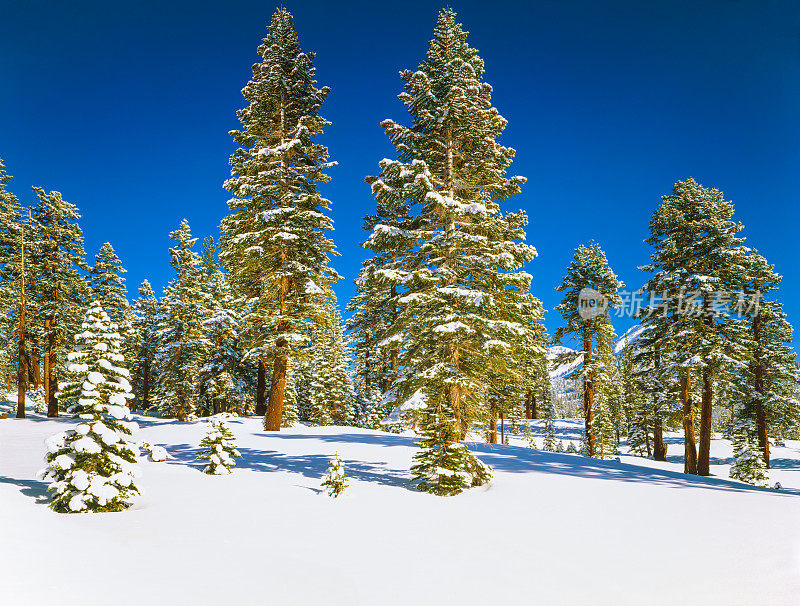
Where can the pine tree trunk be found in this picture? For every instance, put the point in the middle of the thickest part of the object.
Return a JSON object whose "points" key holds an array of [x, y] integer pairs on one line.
{"points": [[274, 414], [454, 396], [659, 448], [22, 366], [261, 406], [588, 396], [22, 379], [704, 452], [36, 369], [534, 412], [46, 376], [146, 385], [690, 452], [493, 425], [528, 405], [52, 382], [760, 408]]}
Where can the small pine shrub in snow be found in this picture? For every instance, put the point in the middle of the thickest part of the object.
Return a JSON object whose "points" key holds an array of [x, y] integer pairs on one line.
{"points": [[93, 466], [527, 434], [336, 480], [748, 465], [571, 448], [157, 454], [445, 466], [37, 400], [560, 446], [219, 449], [549, 434]]}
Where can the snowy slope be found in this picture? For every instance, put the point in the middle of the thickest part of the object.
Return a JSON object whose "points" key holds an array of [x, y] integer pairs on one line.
{"points": [[550, 529]]}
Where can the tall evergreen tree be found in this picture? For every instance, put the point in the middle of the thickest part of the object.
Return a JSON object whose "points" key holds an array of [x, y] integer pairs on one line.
{"points": [[13, 288], [61, 294], [697, 256], [93, 466], [273, 242], [141, 346], [181, 340], [458, 315], [588, 271], [108, 285], [331, 390]]}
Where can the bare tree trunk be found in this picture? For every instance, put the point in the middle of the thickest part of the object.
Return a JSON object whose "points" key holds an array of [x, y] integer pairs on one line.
{"points": [[704, 452], [274, 414], [502, 428], [588, 396], [528, 405], [761, 413], [36, 368], [22, 366], [534, 412], [690, 452], [261, 406], [52, 381], [493, 425], [146, 385], [659, 448]]}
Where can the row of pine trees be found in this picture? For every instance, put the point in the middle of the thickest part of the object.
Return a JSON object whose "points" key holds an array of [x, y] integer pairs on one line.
{"points": [[444, 334]]}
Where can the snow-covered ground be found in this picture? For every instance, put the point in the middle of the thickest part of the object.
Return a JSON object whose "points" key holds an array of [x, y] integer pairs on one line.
{"points": [[550, 529]]}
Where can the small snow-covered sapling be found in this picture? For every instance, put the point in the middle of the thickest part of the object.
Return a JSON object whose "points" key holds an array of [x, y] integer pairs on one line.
{"points": [[336, 480], [219, 449]]}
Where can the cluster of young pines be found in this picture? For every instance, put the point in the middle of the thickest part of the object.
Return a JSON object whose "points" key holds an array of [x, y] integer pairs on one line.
{"points": [[444, 336]]}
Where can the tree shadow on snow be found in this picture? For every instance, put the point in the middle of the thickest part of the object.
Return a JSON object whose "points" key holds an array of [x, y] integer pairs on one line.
{"points": [[516, 459], [312, 466], [30, 488]]}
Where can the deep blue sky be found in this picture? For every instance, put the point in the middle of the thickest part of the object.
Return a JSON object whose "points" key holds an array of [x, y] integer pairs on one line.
{"points": [[125, 107]]}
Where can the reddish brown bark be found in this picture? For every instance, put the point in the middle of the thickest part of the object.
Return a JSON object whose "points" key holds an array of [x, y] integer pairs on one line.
{"points": [[22, 363], [493, 426], [261, 387], [274, 414], [659, 448], [52, 380], [502, 428], [761, 412], [36, 368], [588, 396], [704, 451], [528, 407], [690, 451]]}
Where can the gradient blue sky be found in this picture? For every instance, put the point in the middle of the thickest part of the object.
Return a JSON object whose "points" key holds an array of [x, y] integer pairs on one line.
{"points": [[125, 107]]}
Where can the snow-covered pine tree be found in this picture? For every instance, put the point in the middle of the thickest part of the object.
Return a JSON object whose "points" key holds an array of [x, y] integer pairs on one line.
{"points": [[335, 481], [218, 447], [458, 313], [773, 366], [141, 346], [589, 270], [93, 467], [375, 302], [748, 464], [273, 242], [445, 466], [181, 341], [225, 380], [12, 292], [108, 285], [697, 259], [60, 292], [331, 390]]}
